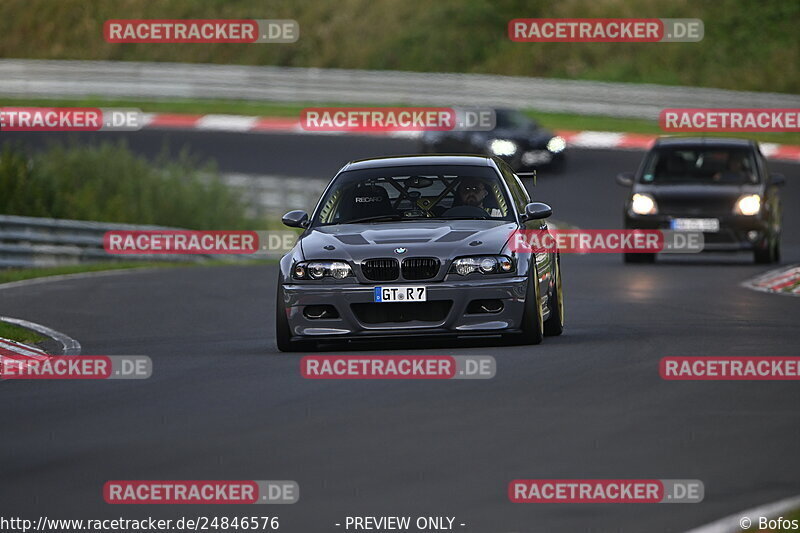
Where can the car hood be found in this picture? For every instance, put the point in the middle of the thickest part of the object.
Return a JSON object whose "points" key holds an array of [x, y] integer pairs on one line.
{"points": [[696, 199], [442, 239], [535, 138]]}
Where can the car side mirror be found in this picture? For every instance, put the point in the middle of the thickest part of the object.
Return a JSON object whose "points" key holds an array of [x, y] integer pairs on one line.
{"points": [[295, 219], [777, 179], [537, 211], [625, 179]]}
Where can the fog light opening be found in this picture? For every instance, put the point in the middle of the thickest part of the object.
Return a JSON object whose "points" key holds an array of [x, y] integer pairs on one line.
{"points": [[753, 235], [476, 307], [317, 312]]}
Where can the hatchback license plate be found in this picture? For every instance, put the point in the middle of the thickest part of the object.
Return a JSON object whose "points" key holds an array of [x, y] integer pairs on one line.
{"points": [[710, 225], [400, 294]]}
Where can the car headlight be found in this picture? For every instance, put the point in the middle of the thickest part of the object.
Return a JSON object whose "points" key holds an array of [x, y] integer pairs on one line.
{"points": [[321, 269], [485, 264], [749, 204], [502, 147], [556, 144], [643, 204]]}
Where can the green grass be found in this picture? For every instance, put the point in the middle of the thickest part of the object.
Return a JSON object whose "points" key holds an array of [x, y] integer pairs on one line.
{"points": [[179, 105], [554, 121], [108, 182], [19, 334], [19, 274], [747, 45]]}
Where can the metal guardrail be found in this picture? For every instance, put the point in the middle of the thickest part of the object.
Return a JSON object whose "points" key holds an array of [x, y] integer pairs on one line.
{"points": [[135, 80], [44, 242], [269, 196]]}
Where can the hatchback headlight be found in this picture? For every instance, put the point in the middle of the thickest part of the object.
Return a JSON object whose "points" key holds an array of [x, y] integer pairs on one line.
{"points": [[556, 144], [749, 204], [643, 204], [321, 269], [485, 264], [503, 147]]}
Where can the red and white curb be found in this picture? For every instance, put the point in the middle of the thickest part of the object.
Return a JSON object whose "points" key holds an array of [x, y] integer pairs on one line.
{"points": [[16, 351], [779, 281], [578, 139]]}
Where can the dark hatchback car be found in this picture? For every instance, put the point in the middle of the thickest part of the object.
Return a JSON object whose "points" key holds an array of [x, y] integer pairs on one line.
{"points": [[516, 139], [720, 187], [418, 246]]}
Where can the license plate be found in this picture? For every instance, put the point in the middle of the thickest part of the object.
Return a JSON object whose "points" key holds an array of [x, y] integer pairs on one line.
{"points": [[710, 225], [400, 294], [536, 157]]}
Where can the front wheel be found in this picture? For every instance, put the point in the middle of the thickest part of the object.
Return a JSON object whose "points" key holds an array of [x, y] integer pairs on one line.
{"points": [[532, 324], [770, 254], [554, 325]]}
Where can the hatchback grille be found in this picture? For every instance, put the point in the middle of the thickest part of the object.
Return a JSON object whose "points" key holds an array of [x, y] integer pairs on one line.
{"points": [[420, 267], [381, 313], [380, 269]]}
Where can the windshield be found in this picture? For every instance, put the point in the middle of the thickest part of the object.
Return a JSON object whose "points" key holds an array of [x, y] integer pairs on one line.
{"points": [[701, 166], [506, 119], [414, 193]]}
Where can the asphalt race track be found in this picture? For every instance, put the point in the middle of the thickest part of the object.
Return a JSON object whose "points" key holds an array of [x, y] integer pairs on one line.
{"points": [[223, 404]]}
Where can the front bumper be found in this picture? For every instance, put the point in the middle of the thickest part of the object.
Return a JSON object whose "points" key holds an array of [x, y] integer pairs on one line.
{"points": [[533, 158], [733, 235], [454, 320]]}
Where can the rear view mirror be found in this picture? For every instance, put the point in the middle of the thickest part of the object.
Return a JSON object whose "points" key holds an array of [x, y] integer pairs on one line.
{"points": [[295, 219], [537, 211], [625, 179], [777, 179]]}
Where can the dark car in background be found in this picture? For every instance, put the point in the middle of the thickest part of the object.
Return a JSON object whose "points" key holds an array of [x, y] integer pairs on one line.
{"points": [[516, 139], [418, 246], [721, 187]]}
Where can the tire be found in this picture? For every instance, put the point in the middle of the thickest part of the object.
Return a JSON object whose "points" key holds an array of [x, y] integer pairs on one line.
{"points": [[283, 334], [554, 325], [765, 256], [532, 324], [640, 258]]}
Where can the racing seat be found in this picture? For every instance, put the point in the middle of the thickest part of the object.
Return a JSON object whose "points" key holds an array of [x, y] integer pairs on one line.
{"points": [[365, 201]]}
